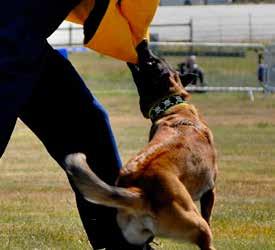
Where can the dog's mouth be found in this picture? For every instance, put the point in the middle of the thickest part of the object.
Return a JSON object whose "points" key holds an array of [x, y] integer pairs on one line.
{"points": [[156, 80]]}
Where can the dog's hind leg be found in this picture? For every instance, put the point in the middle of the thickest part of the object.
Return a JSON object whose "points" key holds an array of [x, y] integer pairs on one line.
{"points": [[179, 218], [186, 225], [207, 203]]}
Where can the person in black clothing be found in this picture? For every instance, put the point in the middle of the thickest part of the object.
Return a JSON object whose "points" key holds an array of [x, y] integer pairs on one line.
{"points": [[190, 66], [42, 88], [262, 70]]}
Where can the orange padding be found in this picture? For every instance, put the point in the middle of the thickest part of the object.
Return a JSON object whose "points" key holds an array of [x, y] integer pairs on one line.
{"points": [[122, 28]]}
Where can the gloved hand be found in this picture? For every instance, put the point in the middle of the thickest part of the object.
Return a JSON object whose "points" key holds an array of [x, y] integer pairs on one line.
{"points": [[151, 76]]}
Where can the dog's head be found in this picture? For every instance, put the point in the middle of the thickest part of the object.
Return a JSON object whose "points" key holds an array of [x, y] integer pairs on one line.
{"points": [[155, 79]]}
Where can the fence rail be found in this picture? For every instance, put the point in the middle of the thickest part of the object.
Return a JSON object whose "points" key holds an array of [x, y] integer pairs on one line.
{"points": [[249, 90], [210, 44]]}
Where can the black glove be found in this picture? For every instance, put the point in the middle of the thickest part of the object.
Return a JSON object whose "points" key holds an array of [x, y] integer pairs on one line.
{"points": [[151, 76]]}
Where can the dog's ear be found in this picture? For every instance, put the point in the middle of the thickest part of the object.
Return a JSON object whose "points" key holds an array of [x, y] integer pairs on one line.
{"points": [[188, 78]]}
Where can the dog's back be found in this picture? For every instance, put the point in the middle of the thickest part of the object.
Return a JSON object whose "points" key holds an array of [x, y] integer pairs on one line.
{"points": [[180, 143], [177, 167]]}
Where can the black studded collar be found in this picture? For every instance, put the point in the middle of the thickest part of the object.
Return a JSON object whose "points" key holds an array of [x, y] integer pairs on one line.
{"points": [[164, 105]]}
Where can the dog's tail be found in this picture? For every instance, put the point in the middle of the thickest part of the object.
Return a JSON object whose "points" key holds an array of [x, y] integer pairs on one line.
{"points": [[95, 190]]}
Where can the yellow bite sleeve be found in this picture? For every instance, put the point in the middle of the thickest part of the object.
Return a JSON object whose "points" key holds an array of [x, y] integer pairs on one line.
{"points": [[113, 27]]}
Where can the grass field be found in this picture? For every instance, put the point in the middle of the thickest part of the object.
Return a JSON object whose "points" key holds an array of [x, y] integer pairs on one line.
{"points": [[37, 208]]}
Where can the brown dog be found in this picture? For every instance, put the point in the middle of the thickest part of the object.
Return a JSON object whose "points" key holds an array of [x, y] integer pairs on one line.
{"points": [[156, 190]]}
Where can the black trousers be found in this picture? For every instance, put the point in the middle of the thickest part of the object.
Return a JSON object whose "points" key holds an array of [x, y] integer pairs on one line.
{"points": [[43, 89], [66, 117]]}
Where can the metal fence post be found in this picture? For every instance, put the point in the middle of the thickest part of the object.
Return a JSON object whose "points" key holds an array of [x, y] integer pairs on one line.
{"points": [[250, 27], [191, 29], [70, 35], [191, 35], [220, 23], [251, 95]]}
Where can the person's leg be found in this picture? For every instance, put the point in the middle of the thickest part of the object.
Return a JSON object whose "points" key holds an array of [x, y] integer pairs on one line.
{"points": [[24, 26], [68, 119], [7, 124], [17, 79]]}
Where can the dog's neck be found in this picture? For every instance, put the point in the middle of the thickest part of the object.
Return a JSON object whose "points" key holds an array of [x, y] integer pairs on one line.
{"points": [[159, 109]]}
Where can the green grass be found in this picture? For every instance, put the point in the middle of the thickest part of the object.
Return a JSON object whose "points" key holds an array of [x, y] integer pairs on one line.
{"points": [[37, 208]]}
